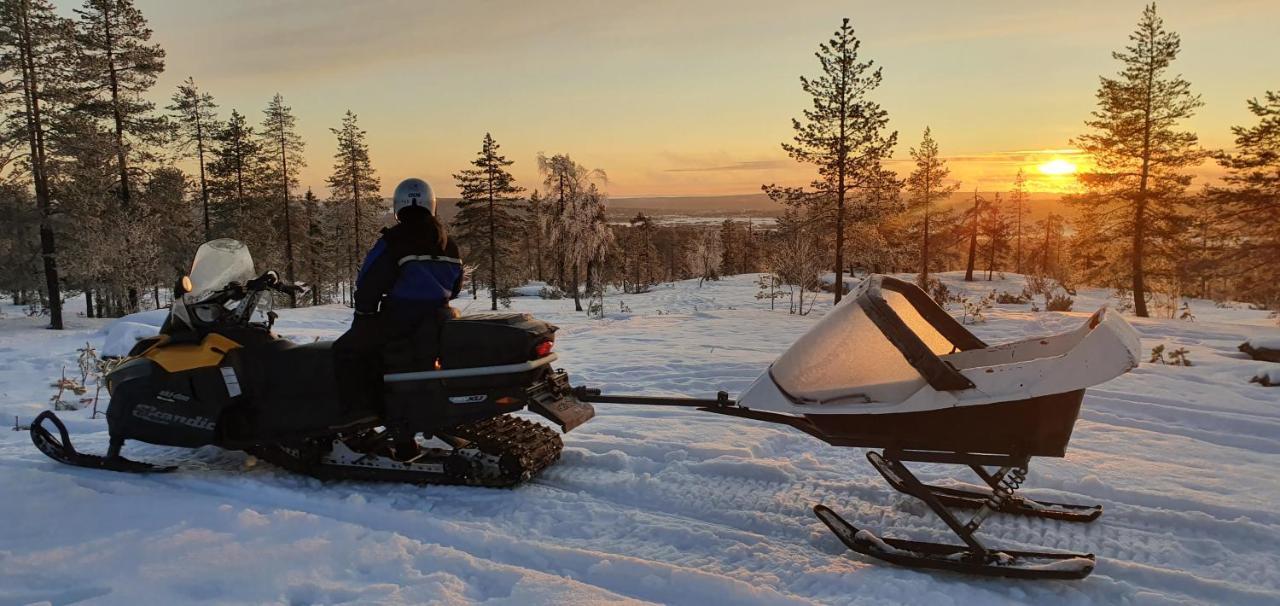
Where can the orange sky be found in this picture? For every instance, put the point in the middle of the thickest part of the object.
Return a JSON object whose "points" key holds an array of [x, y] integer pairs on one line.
{"points": [[689, 97]]}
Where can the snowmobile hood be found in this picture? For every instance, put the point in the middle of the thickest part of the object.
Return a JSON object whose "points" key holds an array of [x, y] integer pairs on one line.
{"points": [[891, 349]]}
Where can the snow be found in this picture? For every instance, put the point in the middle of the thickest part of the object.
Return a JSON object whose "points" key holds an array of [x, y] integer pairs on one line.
{"points": [[1264, 342], [658, 505]]}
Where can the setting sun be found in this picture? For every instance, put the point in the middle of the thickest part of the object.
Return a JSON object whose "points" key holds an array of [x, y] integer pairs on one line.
{"points": [[1057, 167]]}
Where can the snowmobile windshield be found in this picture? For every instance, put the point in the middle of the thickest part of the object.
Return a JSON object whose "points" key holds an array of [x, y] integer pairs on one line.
{"points": [[219, 263]]}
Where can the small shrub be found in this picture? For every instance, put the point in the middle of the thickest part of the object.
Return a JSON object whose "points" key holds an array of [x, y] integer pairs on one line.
{"points": [[1177, 357], [551, 292], [1186, 313], [1008, 298], [975, 311], [1058, 302]]}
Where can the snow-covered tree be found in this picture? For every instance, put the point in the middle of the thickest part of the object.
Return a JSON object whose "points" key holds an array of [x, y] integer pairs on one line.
{"points": [[705, 256], [576, 205]]}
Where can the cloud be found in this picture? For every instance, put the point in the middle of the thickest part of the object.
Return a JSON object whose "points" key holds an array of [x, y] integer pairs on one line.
{"points": [[755, 165]]}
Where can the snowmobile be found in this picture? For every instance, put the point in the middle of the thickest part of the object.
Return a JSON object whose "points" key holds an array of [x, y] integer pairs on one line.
{"points": [[891, 370], [217, 375]]}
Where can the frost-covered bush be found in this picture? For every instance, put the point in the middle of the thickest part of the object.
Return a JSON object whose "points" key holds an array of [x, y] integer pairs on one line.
{"points": [[1008, 298], [1058, 302], [551, 292]]}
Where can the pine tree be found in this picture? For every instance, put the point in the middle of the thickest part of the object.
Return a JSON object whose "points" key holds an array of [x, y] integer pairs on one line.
{"points": [[1139, 154], [233, 171], [283, 159], [490, 217], [352, 183], [1019, 198], [1250, 195], [118, 66], [35, 48], [196, 119], [994, 226], [927, 185], [842, 135], [972, 216]]}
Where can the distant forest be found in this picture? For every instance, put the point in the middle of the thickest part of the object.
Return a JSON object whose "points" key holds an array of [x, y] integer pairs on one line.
{"points": [[93, 202]]}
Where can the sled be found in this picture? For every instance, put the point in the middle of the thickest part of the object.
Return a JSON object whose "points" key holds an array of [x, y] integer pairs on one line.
{"points": [[891, 370]]}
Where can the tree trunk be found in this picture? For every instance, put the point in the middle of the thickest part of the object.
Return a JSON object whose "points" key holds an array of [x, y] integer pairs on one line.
{"points": [[973, 240], [493, 252], [288, 223], [577, 300], [88, 303], [35, 138], [204, 188]]}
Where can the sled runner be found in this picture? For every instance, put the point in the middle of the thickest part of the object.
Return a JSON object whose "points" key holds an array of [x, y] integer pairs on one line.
{"points": [[892, 370]]}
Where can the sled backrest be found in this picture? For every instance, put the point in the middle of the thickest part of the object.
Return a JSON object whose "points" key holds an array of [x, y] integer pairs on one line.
{"points": [[882, 346]]}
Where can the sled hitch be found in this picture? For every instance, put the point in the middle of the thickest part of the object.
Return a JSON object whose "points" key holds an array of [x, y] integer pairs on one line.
{"points": [[588, 394]]}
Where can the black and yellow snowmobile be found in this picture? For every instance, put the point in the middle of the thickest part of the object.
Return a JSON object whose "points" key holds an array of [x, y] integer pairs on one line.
{"points": [[218, 375]]}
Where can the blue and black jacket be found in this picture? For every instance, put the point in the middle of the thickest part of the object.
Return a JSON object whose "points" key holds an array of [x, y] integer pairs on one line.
{"points": [[408, 274]]}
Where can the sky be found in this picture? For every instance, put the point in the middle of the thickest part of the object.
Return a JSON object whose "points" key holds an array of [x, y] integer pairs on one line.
{"points": [[690, 97]]}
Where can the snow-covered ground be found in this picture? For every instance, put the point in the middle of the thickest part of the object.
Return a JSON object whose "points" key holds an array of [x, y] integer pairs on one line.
{"points": [[660, 505]]}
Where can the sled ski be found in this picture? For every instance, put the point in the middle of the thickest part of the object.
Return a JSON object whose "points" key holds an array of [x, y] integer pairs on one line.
{"points": [[957, 558], [59, 448], [973, 557], [1014, 504]]}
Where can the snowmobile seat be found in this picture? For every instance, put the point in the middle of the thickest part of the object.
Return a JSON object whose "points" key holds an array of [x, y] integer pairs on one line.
{"points": [[298, 380]]}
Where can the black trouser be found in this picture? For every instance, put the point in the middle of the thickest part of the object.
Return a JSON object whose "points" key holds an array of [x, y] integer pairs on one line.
{"points": [[380, 342]]}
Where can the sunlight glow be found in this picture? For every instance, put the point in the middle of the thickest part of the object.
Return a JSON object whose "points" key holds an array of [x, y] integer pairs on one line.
{"points": [[1057, 167]]}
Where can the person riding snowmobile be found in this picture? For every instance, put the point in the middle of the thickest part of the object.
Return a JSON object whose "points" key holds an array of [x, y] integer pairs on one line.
{"points": [[403, 289]]}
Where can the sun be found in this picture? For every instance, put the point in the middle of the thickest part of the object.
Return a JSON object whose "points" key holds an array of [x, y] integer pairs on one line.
{"points": [[1057, 166]]}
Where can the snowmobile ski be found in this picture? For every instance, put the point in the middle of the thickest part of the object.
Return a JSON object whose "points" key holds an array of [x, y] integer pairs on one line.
{"points": [[498, 452], [975, 499], [957, 558], [59, 448]]}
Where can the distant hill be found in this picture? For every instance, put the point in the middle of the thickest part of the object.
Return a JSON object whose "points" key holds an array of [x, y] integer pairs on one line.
{"points": [[759, 205]]}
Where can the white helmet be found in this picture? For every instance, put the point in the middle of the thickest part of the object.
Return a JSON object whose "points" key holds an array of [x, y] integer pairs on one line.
{"points": [[414, 192]]}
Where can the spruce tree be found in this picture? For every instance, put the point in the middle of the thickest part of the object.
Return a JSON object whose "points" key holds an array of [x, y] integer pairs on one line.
{"points": [[237, 155], [490, 217], [283, 159], [843, 136], [354, 183], [927, 186], [1019, 198], [35, 50], [1139, 153], [196, 120]]}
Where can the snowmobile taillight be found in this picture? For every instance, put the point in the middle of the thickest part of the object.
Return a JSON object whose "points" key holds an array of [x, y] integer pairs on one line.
{"points": [[542, 349], [506, 401]]}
